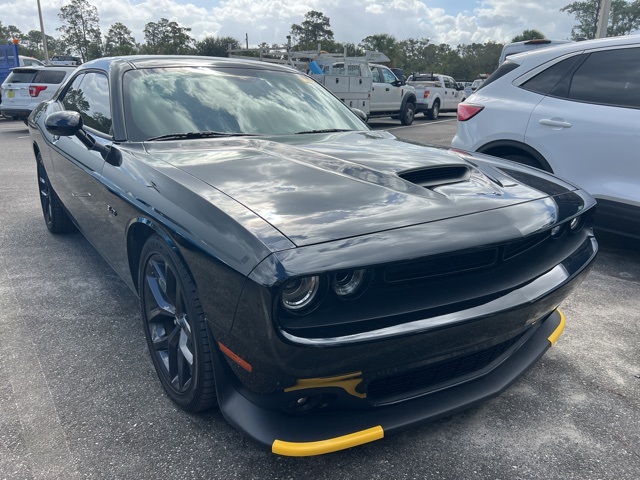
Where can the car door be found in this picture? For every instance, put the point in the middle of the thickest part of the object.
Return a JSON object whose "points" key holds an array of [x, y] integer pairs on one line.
{"points": [[77, 171], [383, 94], [587, 128], [450, 94]]}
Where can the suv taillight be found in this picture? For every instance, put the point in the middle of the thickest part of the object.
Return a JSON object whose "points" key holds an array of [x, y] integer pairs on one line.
{"points": [[468, 110], [34, 90]]}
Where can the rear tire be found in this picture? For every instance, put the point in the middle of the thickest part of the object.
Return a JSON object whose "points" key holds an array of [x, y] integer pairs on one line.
{"points": [[175, 327], [434, 111]]}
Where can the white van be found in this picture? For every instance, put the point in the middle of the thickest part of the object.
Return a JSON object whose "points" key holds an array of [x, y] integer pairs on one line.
{"points": [[517, 47]]}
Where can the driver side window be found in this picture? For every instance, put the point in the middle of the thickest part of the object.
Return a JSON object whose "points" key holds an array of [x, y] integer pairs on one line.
{"points": [[89, 96], [389, 77]]}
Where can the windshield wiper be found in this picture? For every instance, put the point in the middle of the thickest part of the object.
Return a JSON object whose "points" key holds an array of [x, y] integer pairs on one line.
{"points": [[190, 135], [326, 130]]}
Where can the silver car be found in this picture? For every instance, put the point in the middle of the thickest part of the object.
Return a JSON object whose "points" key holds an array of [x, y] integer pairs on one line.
{"points": [[26, 87]]}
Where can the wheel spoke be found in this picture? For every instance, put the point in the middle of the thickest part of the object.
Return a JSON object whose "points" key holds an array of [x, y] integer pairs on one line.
{"points": [[156, 284]]}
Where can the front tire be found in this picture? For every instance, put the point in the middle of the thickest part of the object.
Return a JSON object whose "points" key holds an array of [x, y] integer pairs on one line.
{"points": [[55, 217], [175, 327], [408, 114]]}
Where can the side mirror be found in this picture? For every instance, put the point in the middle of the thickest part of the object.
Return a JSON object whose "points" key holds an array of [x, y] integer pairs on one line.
{"points": [[64, 124], [69, 124], [360, 114]]}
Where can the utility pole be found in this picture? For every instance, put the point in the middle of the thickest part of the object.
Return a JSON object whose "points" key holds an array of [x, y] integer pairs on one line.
{"points": [[44, 37], [603, 18]]}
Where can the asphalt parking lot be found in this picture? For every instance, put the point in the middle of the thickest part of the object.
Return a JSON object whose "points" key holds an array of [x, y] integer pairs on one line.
{"points": [[79, 398]]}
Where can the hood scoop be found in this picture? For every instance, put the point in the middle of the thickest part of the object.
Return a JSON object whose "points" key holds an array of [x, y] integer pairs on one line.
{"points": [[436, 176]]}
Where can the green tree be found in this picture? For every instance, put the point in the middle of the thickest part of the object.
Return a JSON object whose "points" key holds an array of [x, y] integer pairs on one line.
{"points": [[384, 43], [416, 55], [119, 41], [315, 28], [166, 38], [217, 46], [81, 29], [479, 58], [31, 44], [624, 17], [8, 33], [528, 35]]}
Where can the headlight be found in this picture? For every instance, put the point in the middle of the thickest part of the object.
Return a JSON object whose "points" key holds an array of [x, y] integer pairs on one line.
{"points": [[298, 294], [350, 283]]}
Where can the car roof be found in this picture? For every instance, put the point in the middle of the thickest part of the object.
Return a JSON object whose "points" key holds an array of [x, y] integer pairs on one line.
{"points": [[160, 61], [541, 55]]}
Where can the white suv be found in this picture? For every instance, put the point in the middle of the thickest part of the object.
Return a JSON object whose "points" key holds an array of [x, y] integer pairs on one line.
{"points": [[573, 110], [26, 87]]}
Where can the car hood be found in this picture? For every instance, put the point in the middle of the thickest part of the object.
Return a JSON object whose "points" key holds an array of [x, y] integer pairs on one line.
{"points": [[322, 187]]}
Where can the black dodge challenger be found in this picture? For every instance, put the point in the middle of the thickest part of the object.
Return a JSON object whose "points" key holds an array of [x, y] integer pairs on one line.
{"points": [[324, 284]]}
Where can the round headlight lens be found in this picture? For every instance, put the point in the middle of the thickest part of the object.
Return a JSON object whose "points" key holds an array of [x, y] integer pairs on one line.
{"points": [[349, 283], [300, 293]]}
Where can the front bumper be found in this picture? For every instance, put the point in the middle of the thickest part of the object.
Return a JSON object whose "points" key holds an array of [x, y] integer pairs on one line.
{"points": [[328, 431]]}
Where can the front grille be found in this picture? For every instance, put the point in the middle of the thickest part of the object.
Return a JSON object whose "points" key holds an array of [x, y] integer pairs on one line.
{"points": [[434, 176], [514, 248], [445, 265], [441, 373]]}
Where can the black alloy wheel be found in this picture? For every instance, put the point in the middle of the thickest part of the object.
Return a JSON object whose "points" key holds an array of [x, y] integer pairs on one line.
{"points": [[175, 327], [55, 217]]}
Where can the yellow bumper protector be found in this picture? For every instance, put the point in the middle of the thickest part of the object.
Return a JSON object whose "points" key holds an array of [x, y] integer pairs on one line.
{"points": [[553, 338], [347, 382], [305, 449]]}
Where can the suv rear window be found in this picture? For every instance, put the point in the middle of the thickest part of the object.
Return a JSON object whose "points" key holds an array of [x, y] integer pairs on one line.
{"points": [[49, 76], [554, 80], [21, 76], [502, 70]]}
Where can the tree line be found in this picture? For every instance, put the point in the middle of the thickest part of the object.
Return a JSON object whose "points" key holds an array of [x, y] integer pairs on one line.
{"points": [[80, 35]]}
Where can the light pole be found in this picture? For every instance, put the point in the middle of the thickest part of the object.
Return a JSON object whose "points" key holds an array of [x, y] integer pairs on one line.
{"points": [[603, 18], [44, 37]]}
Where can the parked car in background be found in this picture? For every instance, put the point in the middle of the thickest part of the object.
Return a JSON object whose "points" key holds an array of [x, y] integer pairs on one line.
{"points": [[30, 62], [390, 96], [436, 93], [65, 60], [573, 110], [323, 283], [476, 84], [10, 58], [26, 87], [527, 45]]}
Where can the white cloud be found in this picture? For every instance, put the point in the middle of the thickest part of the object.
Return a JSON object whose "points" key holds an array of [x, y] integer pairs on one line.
{"points": [[351, 20]]}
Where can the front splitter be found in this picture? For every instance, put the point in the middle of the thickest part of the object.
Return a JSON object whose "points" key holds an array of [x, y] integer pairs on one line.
{"points": [[323, 432]]}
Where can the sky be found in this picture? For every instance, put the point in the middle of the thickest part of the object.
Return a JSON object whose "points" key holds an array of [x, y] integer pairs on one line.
{"points": [[441, 21]]}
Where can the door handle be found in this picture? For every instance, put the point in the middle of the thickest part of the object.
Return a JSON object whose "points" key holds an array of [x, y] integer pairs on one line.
{"points": [[387, 89], [554, 122]]}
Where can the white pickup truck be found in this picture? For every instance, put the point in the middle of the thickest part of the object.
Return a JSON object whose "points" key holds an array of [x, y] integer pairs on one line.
{"points": [[436, 93]]}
